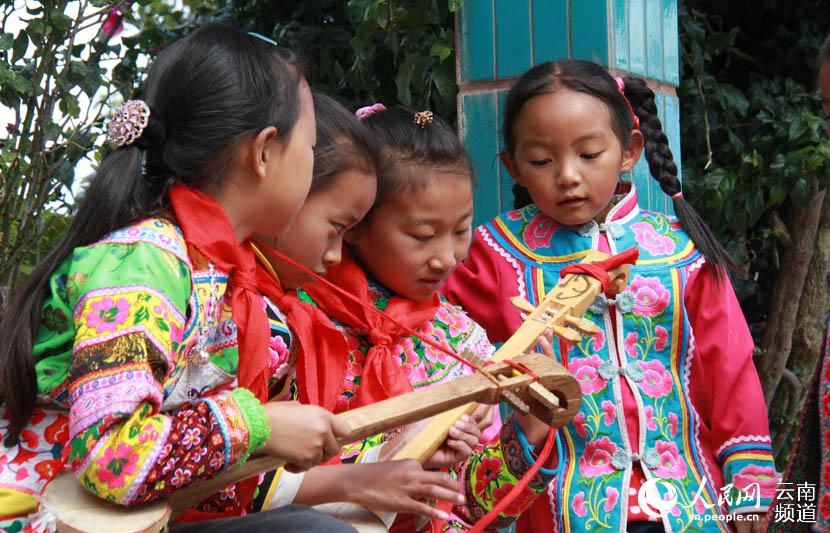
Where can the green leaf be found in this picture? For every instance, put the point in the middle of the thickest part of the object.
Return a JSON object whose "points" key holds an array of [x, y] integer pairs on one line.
{"points": [[6, 40], [734, 99], [443, 77], [404, 78], [10, 79], [69, 105], [60, 21], [798, 127], [36, 26], [777, 194], [441, 50], [778, 163], [715, 178], [21, 44], [382, 16], [718, 42]]}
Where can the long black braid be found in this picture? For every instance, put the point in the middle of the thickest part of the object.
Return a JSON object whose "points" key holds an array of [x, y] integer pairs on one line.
{"points": [[662, 167]]}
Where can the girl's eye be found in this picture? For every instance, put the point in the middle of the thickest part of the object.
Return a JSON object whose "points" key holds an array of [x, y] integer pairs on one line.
{"points": [[539, 162], [422, 238], [339, 227], [462, 232], [592, 155]]}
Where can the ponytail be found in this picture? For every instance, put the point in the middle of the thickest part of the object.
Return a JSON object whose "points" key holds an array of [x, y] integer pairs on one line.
{"points": [[662, 167], [118, 185]]}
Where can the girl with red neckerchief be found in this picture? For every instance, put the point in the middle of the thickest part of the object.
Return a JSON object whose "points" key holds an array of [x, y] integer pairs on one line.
{"points": [[136, 353]]}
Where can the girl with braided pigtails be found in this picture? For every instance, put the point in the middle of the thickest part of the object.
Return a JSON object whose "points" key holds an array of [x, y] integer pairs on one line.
{"points": [[672, 433]]}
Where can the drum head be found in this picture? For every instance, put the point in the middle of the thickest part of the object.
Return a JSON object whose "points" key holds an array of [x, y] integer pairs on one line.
{"points": [[79, 511]]}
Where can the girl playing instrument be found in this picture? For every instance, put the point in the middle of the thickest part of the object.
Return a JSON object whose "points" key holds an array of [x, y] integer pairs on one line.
{"points": [[670, 389], [415, 235], [120, 361], [346, 162]]}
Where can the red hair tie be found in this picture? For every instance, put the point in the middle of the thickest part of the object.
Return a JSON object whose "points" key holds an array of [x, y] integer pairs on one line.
{"points": [[621, 88]]}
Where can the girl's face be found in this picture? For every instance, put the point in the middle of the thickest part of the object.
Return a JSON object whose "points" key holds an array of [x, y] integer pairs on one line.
{"points": [[414, 240], [315, 237], [568, 156], [288, 170], [824, 82]]}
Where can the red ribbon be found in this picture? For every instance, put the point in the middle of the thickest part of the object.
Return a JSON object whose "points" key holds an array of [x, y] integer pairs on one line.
{"points": [[600, 269]]}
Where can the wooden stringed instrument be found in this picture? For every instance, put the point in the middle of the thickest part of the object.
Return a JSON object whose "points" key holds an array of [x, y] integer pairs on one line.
{"points": [[76, 510], [560, 311]]}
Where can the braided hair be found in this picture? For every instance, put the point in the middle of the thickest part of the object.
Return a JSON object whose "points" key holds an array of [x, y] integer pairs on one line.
{"points": [[594, 80], [663, 169]]}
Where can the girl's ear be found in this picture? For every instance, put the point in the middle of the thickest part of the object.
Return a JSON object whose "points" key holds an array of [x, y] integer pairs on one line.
{"points": [[260, 152], [632, 151], [510, 164]]}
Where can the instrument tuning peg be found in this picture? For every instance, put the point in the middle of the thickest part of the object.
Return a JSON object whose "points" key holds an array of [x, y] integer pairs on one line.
{"points": [[582, 324], [544, 397], [515, 402], [567, 334], [521, 304]]}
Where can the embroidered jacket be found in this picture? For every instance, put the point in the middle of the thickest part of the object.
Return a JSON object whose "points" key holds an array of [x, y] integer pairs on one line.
{"points": [[671, 394], [118, 404], [494, 467]]}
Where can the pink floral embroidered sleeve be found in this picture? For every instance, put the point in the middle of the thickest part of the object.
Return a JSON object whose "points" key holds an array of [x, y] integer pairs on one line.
{"points": [[726, 389], [477, 285], [132, 335]]}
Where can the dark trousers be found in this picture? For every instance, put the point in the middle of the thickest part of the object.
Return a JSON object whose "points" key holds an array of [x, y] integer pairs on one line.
{"points": [[645, 527], [287, 519]]}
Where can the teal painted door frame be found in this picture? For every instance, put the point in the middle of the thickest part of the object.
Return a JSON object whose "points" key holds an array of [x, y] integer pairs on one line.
{"points": [[498, 40]]}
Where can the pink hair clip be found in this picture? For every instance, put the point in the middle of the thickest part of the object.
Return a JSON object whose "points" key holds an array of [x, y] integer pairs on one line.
{"points": [[368, 111], [621, 88], [128, 122]]}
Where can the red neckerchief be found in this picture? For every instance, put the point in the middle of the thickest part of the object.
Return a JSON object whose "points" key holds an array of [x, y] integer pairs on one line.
{"points": [[320, 346], [382, 377], [206, 228]]}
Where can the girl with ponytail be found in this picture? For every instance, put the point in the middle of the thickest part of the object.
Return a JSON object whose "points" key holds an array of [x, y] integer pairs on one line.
{"points": [[670, 390], [136, 353]]}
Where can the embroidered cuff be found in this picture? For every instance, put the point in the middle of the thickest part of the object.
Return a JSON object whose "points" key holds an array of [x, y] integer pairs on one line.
{"points": [[254, 414], [749, 472], [518, 455]]}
